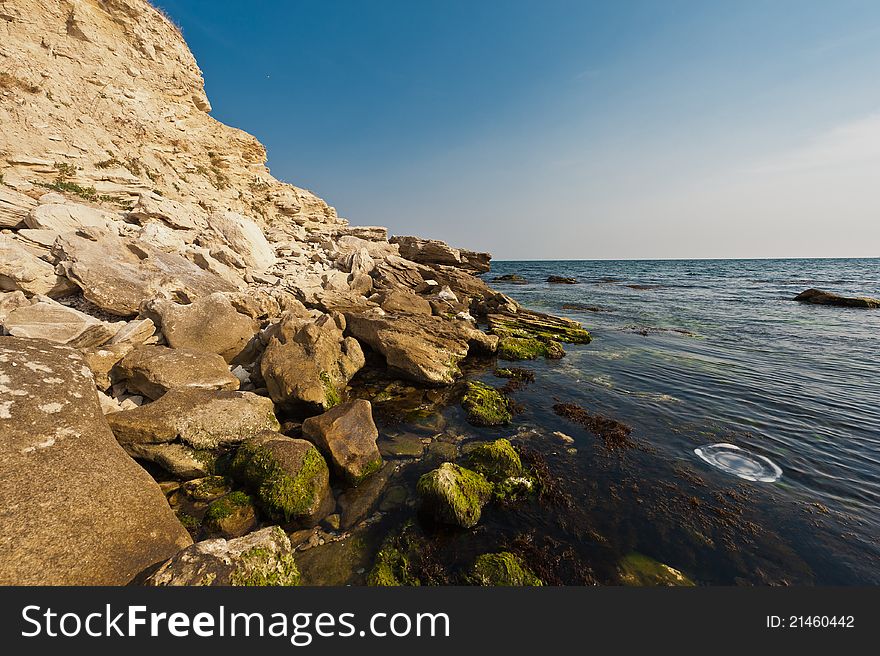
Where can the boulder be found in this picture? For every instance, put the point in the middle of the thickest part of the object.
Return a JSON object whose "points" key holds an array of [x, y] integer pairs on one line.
{"points": [[179, 460], [101, 361], [230, 516], [14, 207], [310, 362], [153, 370], [496, 460], [402, 300], [134, 332], [426, 349], [74, 508], [178, 215], [485, 406], [70, 217], [514, 278], [818, 297], [11, 301], [246, 238], [288, 476], [210, 324], [21, 270], [347, 435], [356, 502], [262, 558], [639, 570], [118, 275], [46, 319], [435, 252], [454, 495], [201, 419]]}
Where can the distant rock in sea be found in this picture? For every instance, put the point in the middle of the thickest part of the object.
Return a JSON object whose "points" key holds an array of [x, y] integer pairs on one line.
{"points": [[819, 297], [561, 280]]}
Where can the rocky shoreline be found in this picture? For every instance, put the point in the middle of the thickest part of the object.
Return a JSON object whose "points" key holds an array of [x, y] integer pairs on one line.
{"points": [[167, 304]]}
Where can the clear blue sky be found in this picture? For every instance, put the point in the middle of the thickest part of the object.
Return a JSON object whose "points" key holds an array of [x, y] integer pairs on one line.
{"points": [[560, 129]]}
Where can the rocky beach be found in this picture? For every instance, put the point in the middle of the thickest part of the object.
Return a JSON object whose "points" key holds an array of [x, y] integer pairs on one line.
{"points": [[195, 355]]}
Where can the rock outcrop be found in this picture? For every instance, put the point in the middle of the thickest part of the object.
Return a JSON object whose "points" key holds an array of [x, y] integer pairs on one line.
{"points": [[818, 297], [74, 508]]}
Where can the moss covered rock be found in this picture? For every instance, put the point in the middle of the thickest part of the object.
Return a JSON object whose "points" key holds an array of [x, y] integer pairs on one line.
{"points": [[545, 327], [262, 558], [231, 516], [454, 495], [289, 477], [485, 406], [391, 568], [207, 488], [496, 460], [639, 570], [528, 348], [502, 569], [346, 434]]}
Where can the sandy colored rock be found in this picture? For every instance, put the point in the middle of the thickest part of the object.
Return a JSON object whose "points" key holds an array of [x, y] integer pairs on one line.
{"points": [[209, 324], [118, 275], [154, 370], [101, 361], [14, 207], [202, 419], [57, 323], [426, 349], [21, 270], [401, 300], [347, 435], [244, 236], [69, 217], [310, 362], [74, 508]]}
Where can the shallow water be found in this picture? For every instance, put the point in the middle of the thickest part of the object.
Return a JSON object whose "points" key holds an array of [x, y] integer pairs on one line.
{"points": [[711, 352], [715, 351]]}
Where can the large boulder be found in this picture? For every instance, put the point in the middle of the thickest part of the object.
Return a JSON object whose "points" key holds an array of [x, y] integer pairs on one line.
{"points": [[246, 238], [210, 324], [14, 207], [262, 558], [74, 508], [347, 435], [310, 362], [153, 370], [454, 495], [198, 418], [21, 270], [288, 476], [118, 275], [181, 216], [70, 217], [485, 406], [422, 348], [402, 300], [49, 320], [818, 297], [502, 569], [435, 252]]}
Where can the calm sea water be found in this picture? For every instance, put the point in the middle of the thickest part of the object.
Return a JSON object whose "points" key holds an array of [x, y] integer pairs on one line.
{"points": [[700, 352]]}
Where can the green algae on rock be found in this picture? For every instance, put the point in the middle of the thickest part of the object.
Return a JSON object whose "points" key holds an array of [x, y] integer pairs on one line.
{"points": [[639, 570], [454, 495], [485, 406], [496, 460], [230, 516], [526, 324], [528, 348], [391, 568], [289, 477], [502, 569]]}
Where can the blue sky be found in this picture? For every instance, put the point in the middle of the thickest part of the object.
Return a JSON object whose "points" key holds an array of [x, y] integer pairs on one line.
{"points": [[557, 129]]}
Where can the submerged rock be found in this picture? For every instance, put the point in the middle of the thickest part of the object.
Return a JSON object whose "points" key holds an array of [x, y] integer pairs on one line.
{"points": [[454, 495], [289, 477], [502, 569], [639, 570], [75, 509], [528, 348], [154, 370], [263, 558], [561, 280], [527, 324], [495, 460], [485, 406], [818, 297], [347, 435], [511, 277]]}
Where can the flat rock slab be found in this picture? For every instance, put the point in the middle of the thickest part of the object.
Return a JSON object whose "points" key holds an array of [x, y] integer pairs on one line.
{"points": [[154, 370], [118, 275], [201, 419], [21, 270], [74, 508], [69, 217], [57, 323]]}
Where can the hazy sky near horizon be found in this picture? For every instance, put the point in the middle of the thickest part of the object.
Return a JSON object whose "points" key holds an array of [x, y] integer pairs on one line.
{"points": [[562, 129]]}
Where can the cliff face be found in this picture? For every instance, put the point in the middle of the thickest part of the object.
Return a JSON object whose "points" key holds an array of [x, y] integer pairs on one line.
{"points": [[110, 89]]}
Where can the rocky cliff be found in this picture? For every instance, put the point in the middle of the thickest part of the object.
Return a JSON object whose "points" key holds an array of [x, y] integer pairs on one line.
{"points": [[145, 248]]}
